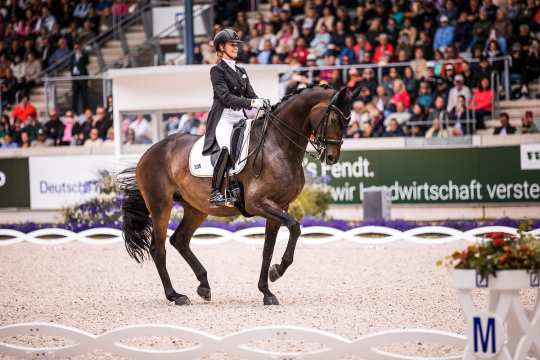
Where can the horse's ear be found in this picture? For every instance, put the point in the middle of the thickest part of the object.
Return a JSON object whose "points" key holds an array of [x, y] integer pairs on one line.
{"points": [[340, 97], [355, 93]]}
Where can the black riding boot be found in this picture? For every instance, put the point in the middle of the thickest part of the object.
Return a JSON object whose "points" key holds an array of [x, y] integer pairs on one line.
{"points": [[217, 199]]}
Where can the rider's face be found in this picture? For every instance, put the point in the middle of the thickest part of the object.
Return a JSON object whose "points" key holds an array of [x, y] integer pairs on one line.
{"points": [[231, 50]]}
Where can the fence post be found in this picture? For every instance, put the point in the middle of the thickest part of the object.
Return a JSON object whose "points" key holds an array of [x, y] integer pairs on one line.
{"points": [[506, 80]]}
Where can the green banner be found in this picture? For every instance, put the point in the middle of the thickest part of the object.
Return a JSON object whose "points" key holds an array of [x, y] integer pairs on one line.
{"points": [[462, 175], [14, 183]]}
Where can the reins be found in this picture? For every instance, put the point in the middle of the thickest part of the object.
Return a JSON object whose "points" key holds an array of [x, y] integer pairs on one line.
{"points": [[319, 144]]}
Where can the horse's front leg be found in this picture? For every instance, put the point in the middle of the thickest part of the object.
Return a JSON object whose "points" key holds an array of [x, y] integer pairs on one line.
{"points": [[272, 228], [277, 271]]}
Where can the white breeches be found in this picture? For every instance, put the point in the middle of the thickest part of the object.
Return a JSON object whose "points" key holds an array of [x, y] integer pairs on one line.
{"points": [[225, 125]]}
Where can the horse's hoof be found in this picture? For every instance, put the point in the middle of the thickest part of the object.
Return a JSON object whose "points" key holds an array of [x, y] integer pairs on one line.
{"points": [[182, 300], [270, 300], [274, 274], [205, 293]]}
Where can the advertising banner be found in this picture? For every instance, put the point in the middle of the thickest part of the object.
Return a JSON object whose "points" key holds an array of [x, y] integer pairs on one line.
{"points": [[462, 175], [14, 183], [59, 181]]}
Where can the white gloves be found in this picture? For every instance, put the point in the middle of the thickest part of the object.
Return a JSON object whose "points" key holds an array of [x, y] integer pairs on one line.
{"points": [[260, 103]]}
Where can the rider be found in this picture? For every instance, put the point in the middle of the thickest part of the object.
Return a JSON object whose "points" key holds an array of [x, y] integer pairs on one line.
{"points": [[233, 95]]}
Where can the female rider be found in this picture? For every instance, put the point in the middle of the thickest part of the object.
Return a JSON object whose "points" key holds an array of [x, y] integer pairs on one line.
{"points": [[233, 95]]}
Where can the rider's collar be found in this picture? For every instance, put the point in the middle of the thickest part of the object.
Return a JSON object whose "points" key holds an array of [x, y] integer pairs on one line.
{"points": [[231, 63]]}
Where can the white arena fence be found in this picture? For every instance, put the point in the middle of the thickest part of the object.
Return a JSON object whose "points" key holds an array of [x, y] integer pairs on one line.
{"points": [[311, 235], [236, 344]]}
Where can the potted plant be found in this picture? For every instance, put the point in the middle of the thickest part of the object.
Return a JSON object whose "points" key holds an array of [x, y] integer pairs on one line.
{"points": [[502, 264]]}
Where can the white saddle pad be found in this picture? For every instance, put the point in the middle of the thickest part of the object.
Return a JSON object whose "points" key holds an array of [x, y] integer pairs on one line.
{"points": [[201, 166]]}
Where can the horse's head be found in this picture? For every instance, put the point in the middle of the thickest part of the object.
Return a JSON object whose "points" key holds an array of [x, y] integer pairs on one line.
{"points": [[329, 122]]}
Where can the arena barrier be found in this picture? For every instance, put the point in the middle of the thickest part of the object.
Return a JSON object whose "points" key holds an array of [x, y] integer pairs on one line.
{"points": [[365, 235], [236, 344]]}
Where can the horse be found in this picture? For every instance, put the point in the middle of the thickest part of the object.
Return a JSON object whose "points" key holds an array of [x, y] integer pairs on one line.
{"points": [[316, 114]]}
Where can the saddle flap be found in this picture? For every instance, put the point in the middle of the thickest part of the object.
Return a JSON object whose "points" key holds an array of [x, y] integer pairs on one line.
{"points": [[202, 166]]}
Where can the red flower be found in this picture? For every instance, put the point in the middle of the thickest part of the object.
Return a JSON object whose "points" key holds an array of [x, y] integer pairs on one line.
{"points": [[507, 249], [498, 242], [502, 259], [495, 235]]}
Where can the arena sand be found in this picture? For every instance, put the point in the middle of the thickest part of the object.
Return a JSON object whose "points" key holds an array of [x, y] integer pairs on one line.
{"points": [[344, 288]]}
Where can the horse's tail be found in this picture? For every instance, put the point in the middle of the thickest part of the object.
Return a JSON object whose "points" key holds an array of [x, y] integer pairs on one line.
{"points": [[137, 224]]}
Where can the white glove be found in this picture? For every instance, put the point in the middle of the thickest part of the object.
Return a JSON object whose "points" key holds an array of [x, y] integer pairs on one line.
{"points": [[257, 103]]}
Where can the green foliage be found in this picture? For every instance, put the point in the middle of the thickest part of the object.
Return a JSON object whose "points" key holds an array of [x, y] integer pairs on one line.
{"points": [[312, 201], [499, 252]]}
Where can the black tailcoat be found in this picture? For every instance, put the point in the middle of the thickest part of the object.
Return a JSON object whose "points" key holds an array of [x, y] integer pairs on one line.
{"points": [[231, 90]]}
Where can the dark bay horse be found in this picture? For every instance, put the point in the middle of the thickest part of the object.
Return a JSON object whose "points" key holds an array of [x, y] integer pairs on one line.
{"points": [[162, 176]]}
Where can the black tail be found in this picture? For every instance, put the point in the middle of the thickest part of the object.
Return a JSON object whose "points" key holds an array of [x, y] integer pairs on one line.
{"points": [[137, 224]]}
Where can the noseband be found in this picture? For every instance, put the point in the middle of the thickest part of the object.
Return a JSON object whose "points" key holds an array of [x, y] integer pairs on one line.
{"points": [[321, 142]]}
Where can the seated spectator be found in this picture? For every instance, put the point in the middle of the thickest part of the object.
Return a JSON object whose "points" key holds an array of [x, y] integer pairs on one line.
{"points": [[130, 138], [286, 37], [367, 130], [41, 140], [458, 90], [424, 98], [33, 126], [381, 100], [359, 112], [326, 20], [54, 128], [393, 129], [142, 130], [5, 125], [354, 130], [320, 42], [411, 84], [438, 110], [300, 52], [401, 115], [384, 51], [481, 102], [460, 118], [102, 122], [348, 50], [93, 140], [8, 142], [23, 110], [368, 80], [109, 141], [354, 79], [401, 95], [8, 88], [444, 36], [70, 131], [436, 130], [32, 71], [265, 55], [60, 56], [419, 64], [25, 142], [362, 49], [528, 126], [505, 128]]}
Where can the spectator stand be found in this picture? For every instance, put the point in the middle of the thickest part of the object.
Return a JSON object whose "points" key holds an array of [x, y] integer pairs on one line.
{"points": [[301, 76]]}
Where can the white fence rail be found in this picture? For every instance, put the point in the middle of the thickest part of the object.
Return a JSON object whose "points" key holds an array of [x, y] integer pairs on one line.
{"points": [[236, 344], [368, 235]]}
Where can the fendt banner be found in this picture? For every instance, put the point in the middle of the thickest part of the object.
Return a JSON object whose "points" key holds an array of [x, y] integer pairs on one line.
{"points": [[468, 175], [14, 188]]}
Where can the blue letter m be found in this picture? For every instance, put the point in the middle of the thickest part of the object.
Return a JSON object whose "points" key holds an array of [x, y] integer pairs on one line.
{"points": [[478, 332]]}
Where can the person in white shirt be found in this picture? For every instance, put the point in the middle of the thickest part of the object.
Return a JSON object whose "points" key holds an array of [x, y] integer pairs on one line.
{"points": [[456, 91]]}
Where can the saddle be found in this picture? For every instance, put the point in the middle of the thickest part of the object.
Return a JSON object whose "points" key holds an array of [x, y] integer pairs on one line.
{"points": [[203, 166]]}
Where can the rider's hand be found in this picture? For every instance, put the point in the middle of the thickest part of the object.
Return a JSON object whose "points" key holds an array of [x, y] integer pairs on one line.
{"points": [[257, 103], [266, 103]]}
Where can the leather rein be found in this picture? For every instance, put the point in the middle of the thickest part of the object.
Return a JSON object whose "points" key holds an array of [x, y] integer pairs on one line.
{"points": [[320, 142]]}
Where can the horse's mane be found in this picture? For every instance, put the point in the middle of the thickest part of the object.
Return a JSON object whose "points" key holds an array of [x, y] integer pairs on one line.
{"points": [[296, 92]]}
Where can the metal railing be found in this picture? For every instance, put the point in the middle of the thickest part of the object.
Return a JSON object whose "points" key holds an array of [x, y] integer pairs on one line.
{"points": [[149, 53], [96, 42], [380, 69], [59, 92]]}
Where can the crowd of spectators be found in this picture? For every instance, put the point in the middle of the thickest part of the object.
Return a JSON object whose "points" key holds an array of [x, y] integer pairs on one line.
{"points": [[447, 50], [37, 35], [424, 67]]}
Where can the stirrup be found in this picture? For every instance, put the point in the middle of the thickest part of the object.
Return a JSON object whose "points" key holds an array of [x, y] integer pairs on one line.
{"points": [[217, 199]]}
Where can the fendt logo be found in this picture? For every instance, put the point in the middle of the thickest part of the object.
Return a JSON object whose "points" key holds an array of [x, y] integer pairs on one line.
{"points": [[3, 179], [530, 157]]}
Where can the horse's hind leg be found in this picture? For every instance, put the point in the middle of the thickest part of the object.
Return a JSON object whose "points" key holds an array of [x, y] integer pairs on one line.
{"points": [[161, 212], [180, 240]]}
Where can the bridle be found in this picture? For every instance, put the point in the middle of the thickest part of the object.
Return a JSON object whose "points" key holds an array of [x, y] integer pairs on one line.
{"points": [[317, 139]]}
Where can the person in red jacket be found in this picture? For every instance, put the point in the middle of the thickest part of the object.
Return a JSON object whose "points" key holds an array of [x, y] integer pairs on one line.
{"points": [[400, 94], [23, 110], [481, 102], [384, 48]]}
